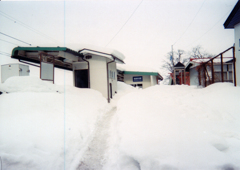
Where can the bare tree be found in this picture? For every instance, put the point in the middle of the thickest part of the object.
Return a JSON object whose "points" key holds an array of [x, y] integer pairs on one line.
{"points": [[198, 52], [172, 58]]}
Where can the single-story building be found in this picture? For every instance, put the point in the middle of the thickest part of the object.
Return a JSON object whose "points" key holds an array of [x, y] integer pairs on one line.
{"points": [[233, 22], [91, 69], [196, 71], [179, 75], [138, 76], [16, 69]]}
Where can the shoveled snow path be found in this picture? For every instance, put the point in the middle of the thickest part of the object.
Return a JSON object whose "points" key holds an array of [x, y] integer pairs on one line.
{"points": [[94, 156]]}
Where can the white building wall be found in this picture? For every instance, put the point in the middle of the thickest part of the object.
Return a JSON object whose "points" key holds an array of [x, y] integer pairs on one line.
{"points": [[10, 70], [193, 77], [112, 74], [153, 80], [98, 74], [237, 51], [128, 79]]}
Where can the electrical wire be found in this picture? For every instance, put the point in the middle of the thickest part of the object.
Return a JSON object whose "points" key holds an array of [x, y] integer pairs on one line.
{"points": [[8, 55], [8, 42], [15, 38], [124, 23], [26, 26], [4, 53], [208, 30], [190, 23]]}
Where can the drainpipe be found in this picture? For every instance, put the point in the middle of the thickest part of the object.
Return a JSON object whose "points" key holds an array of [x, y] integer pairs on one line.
{"points": [[108, 78], [82, 56]]}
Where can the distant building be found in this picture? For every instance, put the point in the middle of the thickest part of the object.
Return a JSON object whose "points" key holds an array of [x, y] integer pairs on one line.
{"points": [[91, 69], [233, 22], [179, 75], [138, 77], [10, 70], [199, 74]]}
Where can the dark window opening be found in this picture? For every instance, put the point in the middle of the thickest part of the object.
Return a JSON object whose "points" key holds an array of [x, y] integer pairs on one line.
{"points": [[137, 85], [81, 78]]}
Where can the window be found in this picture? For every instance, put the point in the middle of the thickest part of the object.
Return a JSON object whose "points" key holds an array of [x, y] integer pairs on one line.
{"points": [[137, 85]]}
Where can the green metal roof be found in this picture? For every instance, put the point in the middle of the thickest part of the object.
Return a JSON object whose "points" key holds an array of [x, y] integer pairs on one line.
{"points": [[32, 57], [43, 49]]}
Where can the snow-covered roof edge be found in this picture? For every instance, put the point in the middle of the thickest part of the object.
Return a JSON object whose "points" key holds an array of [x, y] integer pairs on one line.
{"points": [[105, 52]]}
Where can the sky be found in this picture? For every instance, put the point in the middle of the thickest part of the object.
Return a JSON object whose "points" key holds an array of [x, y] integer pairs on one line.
{"points": [[143, 30]]}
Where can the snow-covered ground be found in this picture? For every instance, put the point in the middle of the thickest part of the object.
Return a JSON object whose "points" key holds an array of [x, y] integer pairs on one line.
{"points": [[45, 126]]}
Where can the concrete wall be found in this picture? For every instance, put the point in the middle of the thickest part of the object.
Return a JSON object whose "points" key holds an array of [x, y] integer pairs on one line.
{"points": [[237, 51], [128, 79]]}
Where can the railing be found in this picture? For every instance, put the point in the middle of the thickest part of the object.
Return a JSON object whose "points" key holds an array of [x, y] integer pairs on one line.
{"points": [[206, 74]]}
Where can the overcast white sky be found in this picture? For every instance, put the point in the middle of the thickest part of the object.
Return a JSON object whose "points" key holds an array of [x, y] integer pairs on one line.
{"points": [[145, 38]]}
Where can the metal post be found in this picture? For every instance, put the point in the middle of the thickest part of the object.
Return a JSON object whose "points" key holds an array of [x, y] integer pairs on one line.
{"points": [[222, 67], [212, 70], [204, 74], [234, 66]]}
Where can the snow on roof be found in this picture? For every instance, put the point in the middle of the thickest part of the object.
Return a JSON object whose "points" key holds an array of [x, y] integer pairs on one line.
{"points": [[197, 61], [96, 50], [127, 67]]}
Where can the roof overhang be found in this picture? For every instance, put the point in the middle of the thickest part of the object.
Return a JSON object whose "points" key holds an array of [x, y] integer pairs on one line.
{"points": [[234, 17], [86, 51], [63, 57]]}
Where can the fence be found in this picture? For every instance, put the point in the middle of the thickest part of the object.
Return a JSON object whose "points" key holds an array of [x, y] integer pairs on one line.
{"points": [[218, 69]]}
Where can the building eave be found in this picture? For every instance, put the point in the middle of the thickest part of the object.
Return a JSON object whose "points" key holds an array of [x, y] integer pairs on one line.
{"points": [[233, 18]]}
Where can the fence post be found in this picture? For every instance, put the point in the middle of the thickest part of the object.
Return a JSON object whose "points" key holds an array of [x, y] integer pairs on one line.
{"points": [[234, 66], [222, 67], [212, 67]]}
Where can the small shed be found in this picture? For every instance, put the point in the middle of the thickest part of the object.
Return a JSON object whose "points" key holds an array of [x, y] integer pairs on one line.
{"points": [[10, 70], [91, 69], [138, 76]]}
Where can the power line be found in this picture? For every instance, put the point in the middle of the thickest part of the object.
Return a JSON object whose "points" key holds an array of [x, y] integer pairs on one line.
{"points": [[15, 38], [124, 23], [8, 42], [190, 23], [208, 29], [6, 54], [26, 26]]}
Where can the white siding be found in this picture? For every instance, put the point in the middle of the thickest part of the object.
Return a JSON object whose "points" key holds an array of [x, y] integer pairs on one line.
{"points": [[153, 80], [112, 74], [193, 77], [237, 52], [98, 74], [10, 70]]}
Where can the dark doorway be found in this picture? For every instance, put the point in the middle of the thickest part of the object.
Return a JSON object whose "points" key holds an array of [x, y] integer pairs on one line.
{"points": [[111, 90], [81, 78]]}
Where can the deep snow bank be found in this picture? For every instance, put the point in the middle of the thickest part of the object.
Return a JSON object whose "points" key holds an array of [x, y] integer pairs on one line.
{"points": [[177, 127], [37, 121]]}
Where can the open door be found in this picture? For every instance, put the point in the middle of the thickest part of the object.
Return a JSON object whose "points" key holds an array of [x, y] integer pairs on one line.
{"points": [[81, 78]]}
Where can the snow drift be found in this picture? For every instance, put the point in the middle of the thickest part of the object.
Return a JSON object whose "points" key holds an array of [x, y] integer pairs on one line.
{"points": [[45, 126], [177, 127], [40, 124]]}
